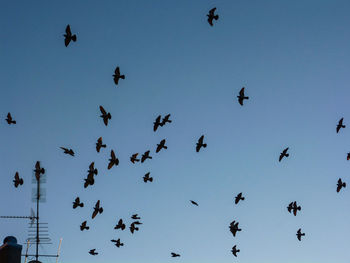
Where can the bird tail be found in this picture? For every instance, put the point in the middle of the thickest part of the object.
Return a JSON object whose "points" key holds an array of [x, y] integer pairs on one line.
{"points": [[21, 181], [165, 147], [104, 145], [287, 154], [14, 122], [242, 198], [344, 184], [74, 38], [246, 98], [121, 244], [151, 179], [122, 76], [81, 205], [343, 126], [42, 170], [204, 145], [95, 171], [216, 17], [299, 208], [109, 116], [87, 227], [100, 210]]}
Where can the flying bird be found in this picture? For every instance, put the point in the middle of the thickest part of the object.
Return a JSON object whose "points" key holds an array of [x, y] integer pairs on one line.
{"points": [[147, 178], [77, 203], [89, 181], [235, 251], [293, 207], [68, 37], [92, 170], [200, 144], [234, 228], [105, 116], [348, 157], [117, 76], [17, 181], [68, 151], [212, 16], [117, 242], [166, 120], [135, 217], [284, 154], [99, 144], [133, 158], [120, 225], [340, 125], [9, 119], [241, 96], [84, 226], [193, 202], [38, 170], [174, 255], [157, 123], [113, 161], [340, 185], [145, 156], [97, 209], [299, 234], [133, 228], [92, 252], [238, 198], [161, 145]]}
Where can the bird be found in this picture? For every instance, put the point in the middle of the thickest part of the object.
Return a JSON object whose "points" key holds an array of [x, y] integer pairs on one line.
{"points": [[165, 120], [212, 16], [38, 170], [133, 158], [157, 123], [77, 203], [234, 228], [92, 252], [92, 170], [193, 202], [241, 96], [89, 180], [117, 242], [84, 226], [97, 209], [117, 76], [174, 255], [113, 161], [295, 208], [348, 157], [66, 151], [99, 144], [68, 37], [284, 154], [147, 178], [105, 116], [290, 207], [238, 198], [340, 125], [133, 228], [340, 185], [135, 217], [299, 234], [120, 225], [145, 156], [200, 144], [9, 119], [17, 181], [161, 145], [235, 251]]}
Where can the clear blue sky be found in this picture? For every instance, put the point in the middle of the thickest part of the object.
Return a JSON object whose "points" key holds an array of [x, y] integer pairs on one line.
{"points": [[293, 57]]}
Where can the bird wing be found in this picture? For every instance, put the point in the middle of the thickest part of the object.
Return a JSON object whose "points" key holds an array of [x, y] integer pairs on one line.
{"points": [[211, 11], [113, 155], [9, 116], [103, 110], [94, 213], [16, 176], [117, 71], [241, 92], [68, 32], [91, 166], [240, 100], [97, 204]]}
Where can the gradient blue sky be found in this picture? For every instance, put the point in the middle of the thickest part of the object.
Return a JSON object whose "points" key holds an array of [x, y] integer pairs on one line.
{"points": [[293, 58]]}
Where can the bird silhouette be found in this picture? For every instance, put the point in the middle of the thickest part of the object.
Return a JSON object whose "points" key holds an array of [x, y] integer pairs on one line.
{"points": [[340, 185], [235, 251], [117, 76], [340, 125], [145, 156], [200, 144], [117, 242], [97, 209], [293, 207], [299, 234], [157, 123], [18, 181], [212, 16], [242, 97], [77, 203], [99, 144], [174, 255], [92, 252], [161, 145], [89, 181], [105, 116], [84, 226], [92, 170], [147, 178], [193, 202], [166, 120], [348, 157], [113, 161], [234, 228], [9, 119], [133, 228], [135, 217], [68, 37], [238, 198], [66, 151], [284, 154], [120, 225], [38, 170], [290, 207], [133, 158]]}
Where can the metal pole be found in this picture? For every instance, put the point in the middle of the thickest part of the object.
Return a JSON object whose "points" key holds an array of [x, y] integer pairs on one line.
{"points": [[37, 218]]}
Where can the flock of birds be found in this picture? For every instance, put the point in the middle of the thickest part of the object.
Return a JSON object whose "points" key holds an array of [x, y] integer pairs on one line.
{"points": [[293, 207]]}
